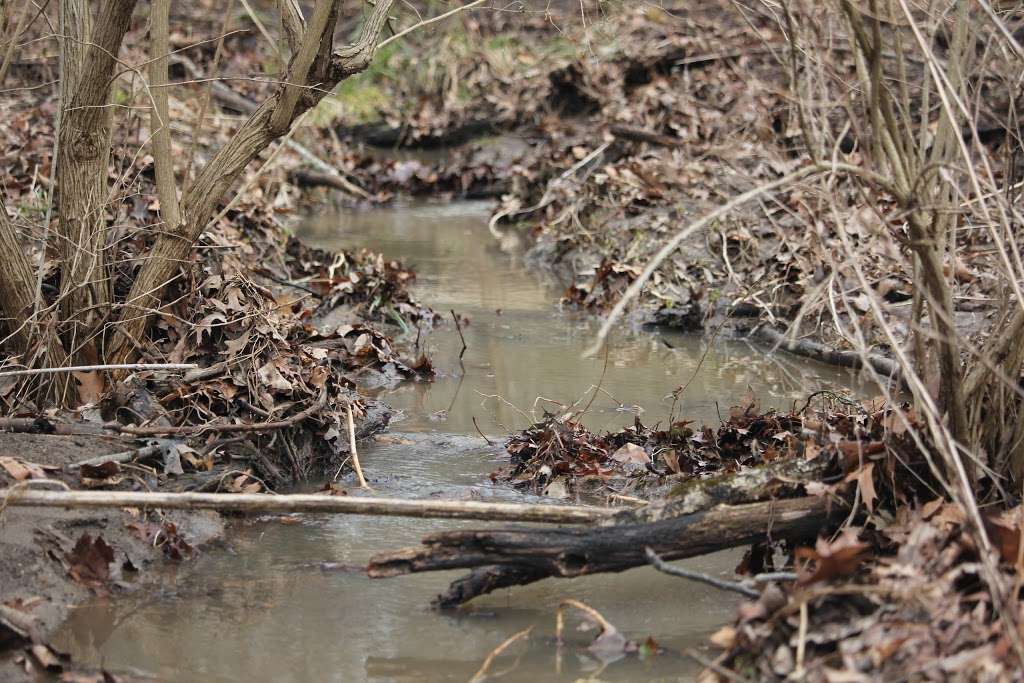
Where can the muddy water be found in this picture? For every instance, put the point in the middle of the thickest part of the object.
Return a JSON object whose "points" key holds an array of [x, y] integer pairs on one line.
{"points": [[285, 603]]}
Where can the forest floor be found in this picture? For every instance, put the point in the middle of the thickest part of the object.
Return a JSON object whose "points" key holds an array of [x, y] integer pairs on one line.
{"points": [[598, 145]]}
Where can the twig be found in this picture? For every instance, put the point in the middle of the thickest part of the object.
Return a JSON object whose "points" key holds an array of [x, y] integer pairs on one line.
{"points": [[458, 326], [352, 447], [481, 673], [245, 427], [90, 368], [124, 456], [715, 666], [260, 503], [666, 568], [432, 20], [482, 435], [586, 609]]}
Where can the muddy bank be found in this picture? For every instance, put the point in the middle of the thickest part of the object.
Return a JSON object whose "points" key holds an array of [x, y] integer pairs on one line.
{"points": [[51, 560]]}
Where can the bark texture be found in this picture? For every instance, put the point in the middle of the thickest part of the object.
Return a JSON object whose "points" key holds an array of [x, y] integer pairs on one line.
{"points": [[517, 556], [89, 50]]}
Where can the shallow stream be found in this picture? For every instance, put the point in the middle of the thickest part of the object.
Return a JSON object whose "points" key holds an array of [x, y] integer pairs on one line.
{"points": [[286, 601]]}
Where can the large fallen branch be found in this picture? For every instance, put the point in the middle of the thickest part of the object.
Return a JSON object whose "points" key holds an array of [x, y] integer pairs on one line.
{"points": [[701, 516], [519, 556], [258, 503]]}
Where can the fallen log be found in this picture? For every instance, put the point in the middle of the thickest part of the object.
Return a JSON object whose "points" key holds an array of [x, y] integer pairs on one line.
{"points": [[305, 178], [697, 517], [886, 367], [259, 503], [519, 556]]}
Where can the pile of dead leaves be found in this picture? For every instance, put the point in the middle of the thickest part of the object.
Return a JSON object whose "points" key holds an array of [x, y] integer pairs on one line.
{"points": [[869, 448], [280, 333], [558, 453], [902, 598]]}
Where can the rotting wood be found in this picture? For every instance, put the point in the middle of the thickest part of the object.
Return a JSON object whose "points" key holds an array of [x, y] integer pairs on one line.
{"points": [[259, 503], [778, 479], [506, 557]]}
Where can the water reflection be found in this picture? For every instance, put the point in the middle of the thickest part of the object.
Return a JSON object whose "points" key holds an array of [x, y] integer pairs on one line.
{"points": [[523, 353], [282, 607]]}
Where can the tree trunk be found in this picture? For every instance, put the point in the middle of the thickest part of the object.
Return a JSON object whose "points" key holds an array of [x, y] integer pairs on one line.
{"points": [[17, 300], [88, 59]]}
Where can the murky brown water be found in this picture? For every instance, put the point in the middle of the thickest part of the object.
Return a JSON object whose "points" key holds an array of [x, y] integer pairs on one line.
{"points": [[269, 610]]}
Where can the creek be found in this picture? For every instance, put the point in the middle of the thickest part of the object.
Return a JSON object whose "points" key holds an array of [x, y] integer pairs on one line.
{"points": [[285, 600]]}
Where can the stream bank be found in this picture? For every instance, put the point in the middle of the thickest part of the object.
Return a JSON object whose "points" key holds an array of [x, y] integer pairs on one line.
{"points": [[303, 574]]}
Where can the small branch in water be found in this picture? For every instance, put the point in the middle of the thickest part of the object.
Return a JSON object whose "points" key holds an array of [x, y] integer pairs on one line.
{"points": [[666, 568], [352, 447], [481, 674], [458, 326], [482, 435], [583, 607]]}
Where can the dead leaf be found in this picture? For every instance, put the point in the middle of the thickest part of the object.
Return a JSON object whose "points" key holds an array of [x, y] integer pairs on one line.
{"points": [[724, 637], [631, 455], [90, 386], [90, 560], [1004, 530], [866, 483], [838, 558], [164, 536], [102, 471], [671, 459], [21, 470]]}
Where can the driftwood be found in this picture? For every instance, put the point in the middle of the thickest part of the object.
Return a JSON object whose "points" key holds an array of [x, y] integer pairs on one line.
{"points": [[124, 456], [691, 522], [519, 556], [886, 367], [259, 503]]}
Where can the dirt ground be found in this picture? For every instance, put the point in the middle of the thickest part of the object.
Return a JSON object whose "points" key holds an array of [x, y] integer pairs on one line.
{"points": [[42, 575]]}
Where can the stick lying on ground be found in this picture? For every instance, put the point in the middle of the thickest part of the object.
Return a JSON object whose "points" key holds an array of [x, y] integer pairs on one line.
{"points": [[260, 503]]}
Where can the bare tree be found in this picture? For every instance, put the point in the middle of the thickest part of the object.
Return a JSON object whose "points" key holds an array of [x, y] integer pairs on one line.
{"points": [[86, 324]]}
